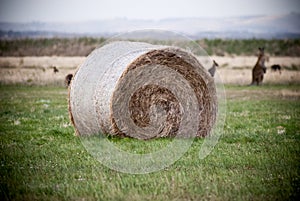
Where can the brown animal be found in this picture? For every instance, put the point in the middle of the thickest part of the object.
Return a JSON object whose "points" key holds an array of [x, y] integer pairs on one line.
{"points": [[259, 69], [212, 70], [276, 67], [68, 79], [55, 70]]}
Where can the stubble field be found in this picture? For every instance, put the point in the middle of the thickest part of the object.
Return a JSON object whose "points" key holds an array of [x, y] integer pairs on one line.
{"points": [[232, 69]]}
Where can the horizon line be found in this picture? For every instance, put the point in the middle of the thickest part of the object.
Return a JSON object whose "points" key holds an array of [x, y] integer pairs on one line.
{"points": [[149, 19]]}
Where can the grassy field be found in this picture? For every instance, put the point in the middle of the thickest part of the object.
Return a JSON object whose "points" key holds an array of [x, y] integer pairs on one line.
{"points": [[257, 158]]}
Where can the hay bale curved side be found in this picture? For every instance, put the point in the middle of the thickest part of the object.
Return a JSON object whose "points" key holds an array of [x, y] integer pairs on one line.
{"points": [[143, 91]]}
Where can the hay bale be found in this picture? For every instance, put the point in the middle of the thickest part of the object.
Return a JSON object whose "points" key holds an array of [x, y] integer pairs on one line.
{"points": [[143, 91]]}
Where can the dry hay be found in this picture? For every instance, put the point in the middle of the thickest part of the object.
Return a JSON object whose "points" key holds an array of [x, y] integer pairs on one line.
{"points": [[142, 91]]}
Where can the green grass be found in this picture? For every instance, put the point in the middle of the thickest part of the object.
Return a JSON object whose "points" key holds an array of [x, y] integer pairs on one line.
{"points": [[41, 159]]}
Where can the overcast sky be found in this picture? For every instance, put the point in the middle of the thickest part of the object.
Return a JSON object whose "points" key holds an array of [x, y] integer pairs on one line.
{"points": [[82, 10]]}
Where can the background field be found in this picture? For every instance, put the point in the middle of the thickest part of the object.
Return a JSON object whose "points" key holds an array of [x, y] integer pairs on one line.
{"points": [[257, 158], [30, 61], [232, 69]]}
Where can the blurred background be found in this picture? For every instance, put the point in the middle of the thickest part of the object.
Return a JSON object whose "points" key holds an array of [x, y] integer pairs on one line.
{"points": [[36, 36], [197, 19]]}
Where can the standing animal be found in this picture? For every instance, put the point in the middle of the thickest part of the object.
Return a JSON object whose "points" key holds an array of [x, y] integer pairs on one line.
{"points": [[68, 79], [276, 67], [212, 70], [55, 70], [259, 69]]}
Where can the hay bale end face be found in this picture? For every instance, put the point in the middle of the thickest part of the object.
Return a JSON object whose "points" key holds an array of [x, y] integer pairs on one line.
{"points": [[143, 91]]}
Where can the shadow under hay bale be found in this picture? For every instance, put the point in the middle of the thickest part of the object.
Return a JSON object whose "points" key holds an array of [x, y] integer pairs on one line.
{"points": [[143, 91]]}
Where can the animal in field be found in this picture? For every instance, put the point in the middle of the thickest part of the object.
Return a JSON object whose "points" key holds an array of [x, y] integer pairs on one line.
{"points": [[55, 70], [213, 69], [68, 79], [276, 67], [259, 69]]}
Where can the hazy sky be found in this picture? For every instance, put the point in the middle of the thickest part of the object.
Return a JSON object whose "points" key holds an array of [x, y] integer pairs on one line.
{"points": [[82, 10]]}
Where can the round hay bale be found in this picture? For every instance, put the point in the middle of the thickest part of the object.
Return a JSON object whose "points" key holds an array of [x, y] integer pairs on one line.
{"points": [[143, 91]]}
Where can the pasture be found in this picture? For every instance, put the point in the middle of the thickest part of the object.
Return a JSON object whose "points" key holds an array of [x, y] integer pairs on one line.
{"points": [[257, 158]]}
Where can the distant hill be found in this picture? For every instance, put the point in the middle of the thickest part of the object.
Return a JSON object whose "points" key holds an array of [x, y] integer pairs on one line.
{"points": [[279, 26]]}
